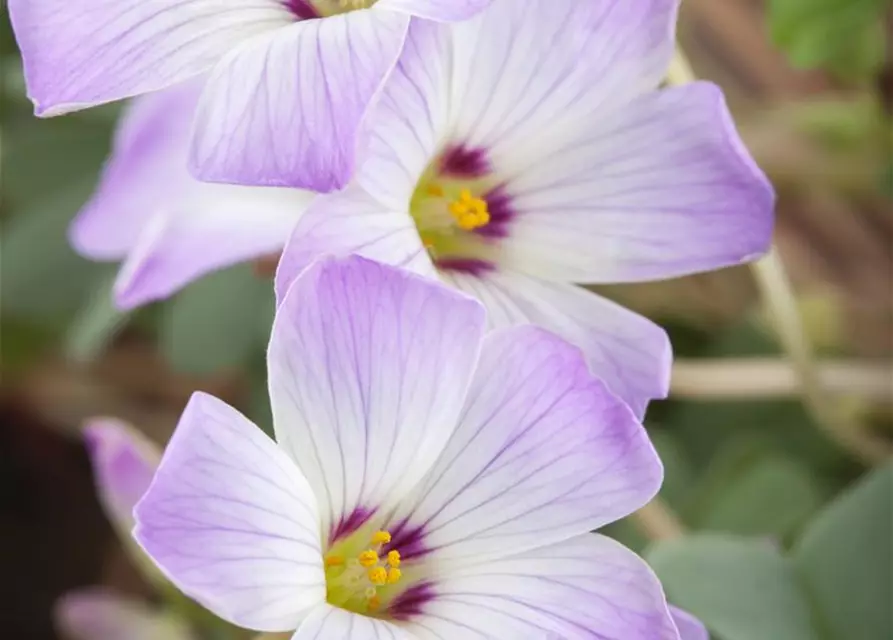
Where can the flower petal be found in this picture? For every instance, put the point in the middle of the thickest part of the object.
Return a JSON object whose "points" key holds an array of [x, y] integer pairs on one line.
{"points": [[231, 521], [528, 72], [543, 452], [586, 587], [660, 189], [98, 614], [368, 368], [689, 627], [124, 462], [351, 221], [440, 10], [285, 109], [147, 167], [79, 53], [210, 227], [327, 623], [631, 354]]}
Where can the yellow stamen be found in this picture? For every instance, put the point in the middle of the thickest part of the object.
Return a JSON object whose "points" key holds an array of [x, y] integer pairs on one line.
{"points": [[394, 558], [373, 603], [435, 190], [334, 561], [381, 537], [469, 212], [378, 576], [368, 558], [394, 576]]}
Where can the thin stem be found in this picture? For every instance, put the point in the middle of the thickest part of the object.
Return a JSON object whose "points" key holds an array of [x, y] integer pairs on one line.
{"points": [[778, 296], [657, 521]]}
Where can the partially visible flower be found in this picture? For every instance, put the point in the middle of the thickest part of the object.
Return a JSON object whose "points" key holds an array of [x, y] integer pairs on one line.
{"points": [[168, 227], [290, 82], [100, 614], [689, 627], [527, 149], [427, 481], [124, 462]]}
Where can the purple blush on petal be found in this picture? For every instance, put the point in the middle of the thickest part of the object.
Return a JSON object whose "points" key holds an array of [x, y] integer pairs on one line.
{"points": [[408, 540], [350, 523], [460, 161], [472, 266], [499, 205], [302, 9], [411, 602]]}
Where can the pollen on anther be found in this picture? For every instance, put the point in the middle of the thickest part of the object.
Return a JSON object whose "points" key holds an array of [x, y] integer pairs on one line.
{"points": [[394, 558], [381, 537], [368, 558], [394, 576], [378, 576]]}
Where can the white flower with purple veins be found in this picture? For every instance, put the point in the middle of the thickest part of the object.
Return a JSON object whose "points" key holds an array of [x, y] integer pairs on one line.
{"points": [[167, 227], [426, 481], [527, 149], [290, 81]]}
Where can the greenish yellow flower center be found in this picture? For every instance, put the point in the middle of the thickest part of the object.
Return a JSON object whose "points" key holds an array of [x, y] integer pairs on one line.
{"points": [[334, 7], [363, 582]]}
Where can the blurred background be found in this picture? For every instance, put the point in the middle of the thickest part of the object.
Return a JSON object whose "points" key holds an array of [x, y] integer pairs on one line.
{"points": [[774, 509]]}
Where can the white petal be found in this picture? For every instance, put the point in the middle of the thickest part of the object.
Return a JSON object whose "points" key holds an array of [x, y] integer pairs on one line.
{"points": [[330, 623], [586, 587], [660, 189], [368, 368], [352, 221], [286, 109], [79, 53], [543, 452], [629, 352], [231, 521]]}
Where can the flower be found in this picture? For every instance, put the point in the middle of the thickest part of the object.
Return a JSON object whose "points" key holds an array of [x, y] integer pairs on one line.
{"points": [[689, 627], [290, 80], [483, 462], [100, 614], [527, 149], [168, 227]]}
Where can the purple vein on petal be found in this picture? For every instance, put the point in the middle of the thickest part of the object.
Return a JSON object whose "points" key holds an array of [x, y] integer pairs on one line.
{"points": [[471, 266], [459, 161], [502, 213], [302, 9], [408, 540], [347, 525], [411, 602]]}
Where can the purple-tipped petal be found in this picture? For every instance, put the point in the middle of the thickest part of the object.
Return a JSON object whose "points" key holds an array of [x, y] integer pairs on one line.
{"points": [[440, 10], [543, 452], [124, 462], [351, 221], [368, 369], [80, 53], [689, 627], [230, 520], [98, 614], [586, 587], [286, 109], [328, 623], [631, 354], [659, 189]]}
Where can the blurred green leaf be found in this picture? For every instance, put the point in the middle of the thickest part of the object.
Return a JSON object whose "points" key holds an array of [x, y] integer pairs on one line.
{"points": [[742, 589], [217, 322], [678, 472], [846, 560], [750, 489], [842, 36]]}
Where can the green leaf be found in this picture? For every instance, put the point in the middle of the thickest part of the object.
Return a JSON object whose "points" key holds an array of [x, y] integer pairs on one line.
{"points": [[750, 489], [742, 589], [217, 322], [846, 560], [842, 36]]}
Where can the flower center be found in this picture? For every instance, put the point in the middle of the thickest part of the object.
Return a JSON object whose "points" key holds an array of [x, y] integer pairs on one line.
{"points": [[334, 7], [366, 581]]}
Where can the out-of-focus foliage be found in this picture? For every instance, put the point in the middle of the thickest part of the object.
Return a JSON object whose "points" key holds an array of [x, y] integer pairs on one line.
{"points": [[843, 36]]}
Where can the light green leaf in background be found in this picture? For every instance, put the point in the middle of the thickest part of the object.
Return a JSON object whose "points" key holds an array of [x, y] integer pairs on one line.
{"points": [[218, 322], [842, 36], [845, 558], [741, 588]]}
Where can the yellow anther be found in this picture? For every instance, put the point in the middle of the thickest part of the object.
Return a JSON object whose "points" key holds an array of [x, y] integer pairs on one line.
{"points": [[469, 212], [394, 558], [394, 575], [458, 209], [378, 576], [368, 558], [334, 561], [373, 603], [465, 195], [435, 190], [381, 537]]}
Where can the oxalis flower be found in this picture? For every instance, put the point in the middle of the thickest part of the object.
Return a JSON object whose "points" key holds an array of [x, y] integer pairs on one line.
{"points": [[426, 481], [290, 79], [164, 225], [528, 149]]}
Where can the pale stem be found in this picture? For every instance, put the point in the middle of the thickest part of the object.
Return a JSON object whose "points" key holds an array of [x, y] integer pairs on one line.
{"points": [[656, 521]]}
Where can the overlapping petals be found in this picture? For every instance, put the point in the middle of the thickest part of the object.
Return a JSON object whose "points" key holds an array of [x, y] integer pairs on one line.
{"points": [[166, 226], [483, 457]]}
